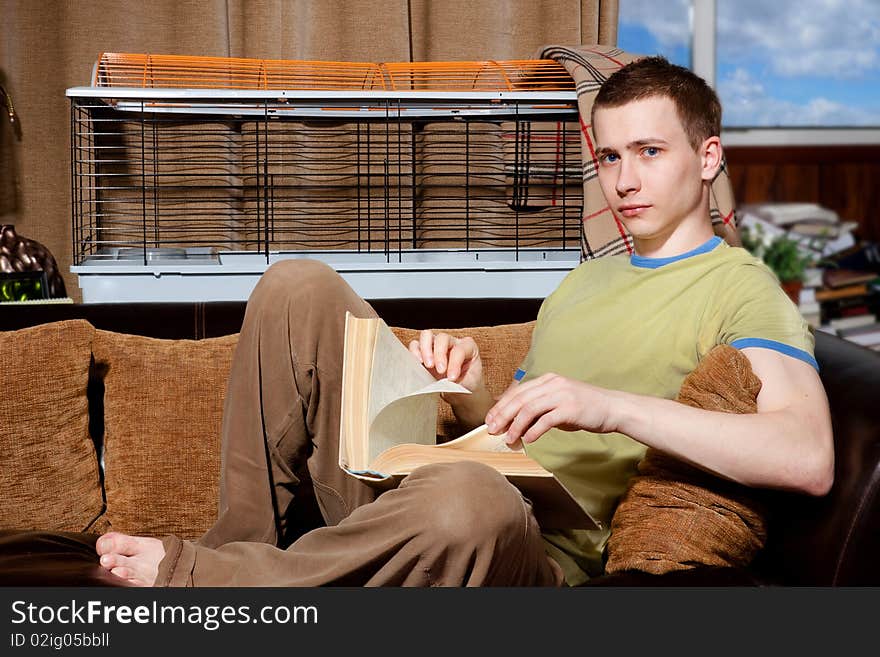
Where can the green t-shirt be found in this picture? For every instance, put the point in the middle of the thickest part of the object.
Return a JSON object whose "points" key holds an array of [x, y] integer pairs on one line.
{"points": [[641, 325]]}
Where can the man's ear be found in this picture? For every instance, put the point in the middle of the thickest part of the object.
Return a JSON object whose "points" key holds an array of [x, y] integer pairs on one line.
{"points": [[711, 155]]}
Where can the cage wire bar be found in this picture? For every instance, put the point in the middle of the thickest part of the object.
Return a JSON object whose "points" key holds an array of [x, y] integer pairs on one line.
{"points": [[435, 167]]}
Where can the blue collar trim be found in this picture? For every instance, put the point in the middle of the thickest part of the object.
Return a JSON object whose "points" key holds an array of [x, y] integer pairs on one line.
{"points": [[654, 263]]}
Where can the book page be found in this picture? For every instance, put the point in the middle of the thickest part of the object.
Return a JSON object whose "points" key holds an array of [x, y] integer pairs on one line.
{"points": [[403, 459], [409, 419], [388, 397], [357, 363], [403, 396], [395, 373], [480, 439]]}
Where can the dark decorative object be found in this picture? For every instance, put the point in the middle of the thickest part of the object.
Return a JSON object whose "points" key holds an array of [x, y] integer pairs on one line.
{"points": [[20, 254]]}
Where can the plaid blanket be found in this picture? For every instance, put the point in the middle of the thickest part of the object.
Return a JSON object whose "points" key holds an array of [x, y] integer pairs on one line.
{"points": [[602, 231]]}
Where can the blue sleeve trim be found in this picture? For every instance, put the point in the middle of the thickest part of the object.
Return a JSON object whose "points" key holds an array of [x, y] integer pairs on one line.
{"points": [[782, 348], [519, 375]]}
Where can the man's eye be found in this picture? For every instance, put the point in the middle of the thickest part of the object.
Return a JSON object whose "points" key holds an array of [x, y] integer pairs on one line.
{"points": [[651, 151], [609, 158]]}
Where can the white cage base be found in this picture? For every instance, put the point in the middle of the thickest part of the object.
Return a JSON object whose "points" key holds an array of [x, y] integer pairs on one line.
{"points": [[413, 274]]}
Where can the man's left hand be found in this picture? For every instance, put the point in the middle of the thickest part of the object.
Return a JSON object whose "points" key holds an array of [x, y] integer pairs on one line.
{"points": [[528, 410]]}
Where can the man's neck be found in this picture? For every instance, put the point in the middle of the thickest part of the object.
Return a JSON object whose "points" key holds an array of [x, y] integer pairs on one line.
{"points": [[681, 240]]}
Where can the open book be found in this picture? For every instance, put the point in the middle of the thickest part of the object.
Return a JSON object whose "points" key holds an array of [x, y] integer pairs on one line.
{"points": [[388, 427]]}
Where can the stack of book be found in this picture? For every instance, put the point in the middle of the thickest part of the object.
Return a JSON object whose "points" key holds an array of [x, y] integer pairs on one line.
{"points": [[867, 335], [847, 293], [849, 302], [810, 309], [818, 231]]}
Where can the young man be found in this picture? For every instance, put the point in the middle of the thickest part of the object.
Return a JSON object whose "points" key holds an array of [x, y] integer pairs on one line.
{"points": [[609, 352]]}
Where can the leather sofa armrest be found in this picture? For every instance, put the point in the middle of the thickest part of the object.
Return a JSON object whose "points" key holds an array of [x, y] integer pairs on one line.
{"points": [[46, 558], [834, 540]]}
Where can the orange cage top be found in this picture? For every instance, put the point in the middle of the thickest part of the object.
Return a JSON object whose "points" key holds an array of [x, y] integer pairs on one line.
{"points": [[186, 72]]}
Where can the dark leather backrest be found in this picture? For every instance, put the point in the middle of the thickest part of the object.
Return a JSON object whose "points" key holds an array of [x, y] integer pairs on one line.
{"points": [[182, 320], [197, 320], [835, 540]]}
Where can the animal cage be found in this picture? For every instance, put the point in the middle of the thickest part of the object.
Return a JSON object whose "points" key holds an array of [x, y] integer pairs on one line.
{"points": [[190, 176]]}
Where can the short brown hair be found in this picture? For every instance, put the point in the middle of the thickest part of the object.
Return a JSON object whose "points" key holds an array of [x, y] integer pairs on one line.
{"points": [[697, 104]]}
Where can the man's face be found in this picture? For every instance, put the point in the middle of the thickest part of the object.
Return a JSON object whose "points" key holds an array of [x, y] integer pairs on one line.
{"points": [[649, 173]]}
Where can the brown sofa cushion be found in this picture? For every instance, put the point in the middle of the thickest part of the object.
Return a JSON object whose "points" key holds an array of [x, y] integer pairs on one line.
{"points": [[50, 467], [674, 516], [502, 350], [163, 407]]}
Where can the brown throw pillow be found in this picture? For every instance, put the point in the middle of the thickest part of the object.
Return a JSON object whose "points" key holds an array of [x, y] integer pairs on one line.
{"points": [[163, 407], [48, 462], [502, 350], [674, 516]]}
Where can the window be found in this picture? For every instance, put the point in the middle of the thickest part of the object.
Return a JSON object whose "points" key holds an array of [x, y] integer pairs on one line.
{"points": [[787, 71], [656, 28]]}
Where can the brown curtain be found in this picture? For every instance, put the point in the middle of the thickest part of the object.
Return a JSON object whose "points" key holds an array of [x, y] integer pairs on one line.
{"points": [[46, 47]]}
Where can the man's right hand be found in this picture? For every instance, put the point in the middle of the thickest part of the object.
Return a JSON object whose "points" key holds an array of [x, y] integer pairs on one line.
{"points": [[457, 359]]}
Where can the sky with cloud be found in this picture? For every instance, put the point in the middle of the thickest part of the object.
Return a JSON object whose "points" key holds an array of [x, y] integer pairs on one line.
{"points": [[780, 62]]}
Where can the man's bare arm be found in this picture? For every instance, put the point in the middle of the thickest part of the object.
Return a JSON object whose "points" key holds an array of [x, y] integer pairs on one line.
{"points": [[787, 444]]}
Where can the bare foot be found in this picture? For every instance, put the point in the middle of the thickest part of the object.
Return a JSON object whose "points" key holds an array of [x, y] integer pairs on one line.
{"points": [[133, 558]]}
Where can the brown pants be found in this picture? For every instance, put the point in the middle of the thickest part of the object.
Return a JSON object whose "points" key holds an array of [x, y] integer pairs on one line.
{"points": [[446, 525]]}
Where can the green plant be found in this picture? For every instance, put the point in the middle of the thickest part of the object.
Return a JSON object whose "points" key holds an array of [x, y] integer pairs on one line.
{"points": [[780, 253]]}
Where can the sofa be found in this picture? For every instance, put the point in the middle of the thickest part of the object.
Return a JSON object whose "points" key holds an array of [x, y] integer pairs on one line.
{"points": [[111, 419]]}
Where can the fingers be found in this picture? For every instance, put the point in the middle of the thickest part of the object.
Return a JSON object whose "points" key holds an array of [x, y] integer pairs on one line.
{"points": [[426, 346], [533, 429], [532, 421], [522, 411], [444, 354], [416, 350], [464, 351], [423, 348], [442, 343]]}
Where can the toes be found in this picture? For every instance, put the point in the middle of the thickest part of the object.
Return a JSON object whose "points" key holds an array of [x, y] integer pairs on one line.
{"points": [[130, 576], [132, 558], [106, 543], [124, 573], [114, 542], [111, 561]]}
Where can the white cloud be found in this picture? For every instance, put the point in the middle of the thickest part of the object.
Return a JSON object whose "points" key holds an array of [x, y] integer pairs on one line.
{"points": [[668, 21], [747, 103], [775, 46], [742, 85], [833, 38], [841, 62]]}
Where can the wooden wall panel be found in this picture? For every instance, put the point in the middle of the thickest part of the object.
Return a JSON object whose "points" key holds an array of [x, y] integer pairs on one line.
{"points": [[843, 178]]}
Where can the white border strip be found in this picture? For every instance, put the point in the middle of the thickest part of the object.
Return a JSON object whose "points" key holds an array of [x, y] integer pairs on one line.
{"points": [[799, 136], [316, 96]]}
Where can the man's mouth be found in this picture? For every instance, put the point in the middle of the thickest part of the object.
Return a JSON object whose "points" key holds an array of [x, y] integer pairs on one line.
{"points": [[633, 210]]}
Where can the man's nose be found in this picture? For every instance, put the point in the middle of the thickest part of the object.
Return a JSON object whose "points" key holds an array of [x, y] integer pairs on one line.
{"points": [[627, 178]]}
